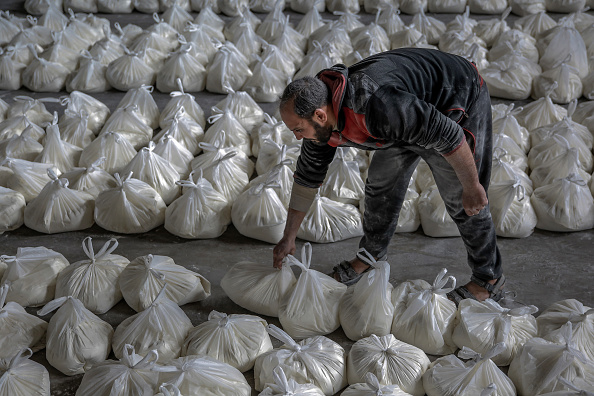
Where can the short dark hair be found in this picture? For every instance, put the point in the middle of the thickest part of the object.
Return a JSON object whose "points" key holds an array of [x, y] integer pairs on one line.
{"points": [[308, 94]]}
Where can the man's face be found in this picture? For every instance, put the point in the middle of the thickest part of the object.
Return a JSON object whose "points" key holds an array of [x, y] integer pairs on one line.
{"points": [[308, 129]]}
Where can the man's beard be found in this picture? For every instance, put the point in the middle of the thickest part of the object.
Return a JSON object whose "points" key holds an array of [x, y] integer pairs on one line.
{"points": [[322, 133]]}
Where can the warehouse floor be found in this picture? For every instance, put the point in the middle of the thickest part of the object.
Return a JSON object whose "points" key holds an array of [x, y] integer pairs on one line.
{"points": [[542, 269]]}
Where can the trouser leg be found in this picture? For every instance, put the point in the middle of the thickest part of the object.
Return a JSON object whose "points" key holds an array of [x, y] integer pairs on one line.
{"points": [[387, 181]]}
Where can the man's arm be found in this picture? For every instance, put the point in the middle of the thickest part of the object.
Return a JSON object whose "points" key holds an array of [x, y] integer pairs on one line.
{"points": [[287, 243], [474, 197]]}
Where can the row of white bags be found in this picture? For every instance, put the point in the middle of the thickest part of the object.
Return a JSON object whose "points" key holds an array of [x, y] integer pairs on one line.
{"points": [[37, 275]]}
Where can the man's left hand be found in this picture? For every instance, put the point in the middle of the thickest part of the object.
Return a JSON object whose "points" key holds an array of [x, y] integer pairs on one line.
{"points": [[474, 199]]}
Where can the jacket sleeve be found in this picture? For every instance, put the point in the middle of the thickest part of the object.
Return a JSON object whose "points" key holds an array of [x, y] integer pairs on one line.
{"points": [[394, 114], [312, 164]]}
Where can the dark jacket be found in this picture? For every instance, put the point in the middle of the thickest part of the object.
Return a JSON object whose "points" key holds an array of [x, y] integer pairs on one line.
{"points": [[408, 96]]}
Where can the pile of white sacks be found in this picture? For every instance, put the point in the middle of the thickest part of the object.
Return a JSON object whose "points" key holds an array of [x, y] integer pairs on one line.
{"points": [[159, 351]]}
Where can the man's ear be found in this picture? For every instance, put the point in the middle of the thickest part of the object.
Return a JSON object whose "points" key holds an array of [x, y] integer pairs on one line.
{"points": [[321, 116]]}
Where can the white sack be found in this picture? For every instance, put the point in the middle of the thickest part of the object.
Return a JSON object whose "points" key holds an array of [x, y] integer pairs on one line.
{"points": [[34, 109], [128, 123], [181, 64], [258, 287], [435, 219], [18, 329], [343, 181], [203, 375], [174, 152], [98, 112], [565, 205], [228, 66], [112, 149], [487, 6], [76, 338], [449, 376], [317, 360], [540, 364], [390, 360], [507, 80], [569, 84], [19, 375], [233, 339], [21, 146], [185, 130], [366, 308], [57, 152], [31, 275], [178, 100], [372, 387], [44, 76], [482, 325], [132, 207], [94, 281], [146, 107], [552, 319], [509, 125], [511, 209], [561, 166], [131, 375], [259, 213], [162, 326], [328, 221], [423, 314], [58, 208], [227, 131], [27, 177], [285, 387], [243, 106], [513, 153], [129, 71], [74, 128], [271, 154], [89, 77], [12, 210], [311, 307], [563, 42], [272, 130], [558, 144], [145, 277], [92, 180], [201, 211]]}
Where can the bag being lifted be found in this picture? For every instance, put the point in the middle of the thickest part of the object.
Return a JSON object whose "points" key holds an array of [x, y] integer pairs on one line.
{"points": [[449, 376], [131, 375], [318, 360], [18, 329], [76, 338], [311, 307], [132, 207], [390, 360], [423, 314], [94, 281], [21, 376], [31, 275], [366, 308], [258, 287], [163, 325], [144, 278], [233, 339]]}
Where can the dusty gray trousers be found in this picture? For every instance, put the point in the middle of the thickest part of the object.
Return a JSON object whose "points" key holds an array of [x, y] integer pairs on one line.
{"points": [[388, 178]]}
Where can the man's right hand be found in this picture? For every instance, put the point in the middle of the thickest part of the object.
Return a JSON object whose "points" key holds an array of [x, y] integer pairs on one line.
{"points": [[285, 247]]}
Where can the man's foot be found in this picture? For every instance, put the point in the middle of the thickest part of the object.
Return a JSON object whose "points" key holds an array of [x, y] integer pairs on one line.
{"points": [[478, 290], [349, 272]]}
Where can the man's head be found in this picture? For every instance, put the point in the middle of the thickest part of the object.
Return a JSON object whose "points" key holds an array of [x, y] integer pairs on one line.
{"points": [[306, 109]]}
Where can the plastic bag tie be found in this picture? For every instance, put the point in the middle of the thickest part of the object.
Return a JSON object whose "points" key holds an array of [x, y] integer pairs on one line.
{"points": [[53, 305], [222, 318], [148, 361], [169, 390], [280, 378], [572, 387], [420, 299], [372, 381], [489, 390], [3, 293], [148, 261], [306, 252], [106, 250], [283, 337]]}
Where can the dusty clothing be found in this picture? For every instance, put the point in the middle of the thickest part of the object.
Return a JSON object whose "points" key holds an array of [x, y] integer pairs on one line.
{"points": [[408, 104]]}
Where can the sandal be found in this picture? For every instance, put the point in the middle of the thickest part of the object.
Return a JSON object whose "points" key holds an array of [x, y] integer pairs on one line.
{"points": [[347, 274], [495, 291]]}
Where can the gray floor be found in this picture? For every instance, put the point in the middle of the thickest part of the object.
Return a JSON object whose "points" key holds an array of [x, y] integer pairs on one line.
{"points": [[542, 269]]}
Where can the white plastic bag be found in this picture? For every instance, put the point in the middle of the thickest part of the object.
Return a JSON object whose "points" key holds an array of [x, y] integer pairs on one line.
{"points": [[144, 278], [27, 177], [181, 64], [115, 150], [423, 314], [272, 130], [448, 375], [311, 307], [89, 77], [129, 71], [21, 146], [435, 219], [259, 213], [512, 211], [481, 325], [76, 338], [98, 112], [513, 153], [184, 130], [509, 125], [233, 339], [175, 153], [271, 154], [57, 152], [569, 84], [558, 144], [243, 106], [366, 308], [132, 207], [156, 171], [564, 164], [228, 66], [561, 41], [31, 275], [329, 221], [74, 129], [127, 122], [565, 205], [390, 360], [285, 387], [12, 210], [201, 212], [508, 80], [540, 364], [227, 131], [147, 109], [34, 109], [343, 181], [487, 7], [18, 329], [203, 375], [317, 360], [131, 375], [552, 319], [44, 76], [94, 281], [540, 113], [178, 100], [372, 387], [91, 180], [162, 326], [18, 374], [58, 208], [258, 287]]}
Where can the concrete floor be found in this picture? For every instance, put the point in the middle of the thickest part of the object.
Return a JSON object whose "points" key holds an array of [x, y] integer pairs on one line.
{"points": [[542, 269]]}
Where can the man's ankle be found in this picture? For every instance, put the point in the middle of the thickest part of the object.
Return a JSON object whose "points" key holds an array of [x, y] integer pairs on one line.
{"points": [[358, 265]]}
